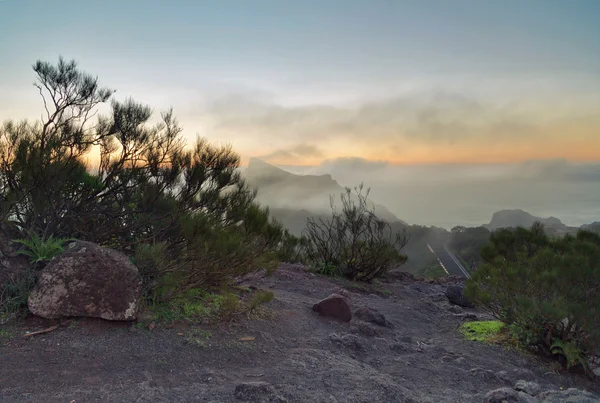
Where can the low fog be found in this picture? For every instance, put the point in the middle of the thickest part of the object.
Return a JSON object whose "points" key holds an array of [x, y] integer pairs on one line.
{"points": [[449, 195]]}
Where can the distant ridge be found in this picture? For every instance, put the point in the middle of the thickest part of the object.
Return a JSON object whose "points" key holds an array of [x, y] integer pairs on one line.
{"points": [[519, 218], [292, 198]]}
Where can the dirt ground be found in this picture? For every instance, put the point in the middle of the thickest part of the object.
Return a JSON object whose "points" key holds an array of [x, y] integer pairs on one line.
{"points": [[285, 353]]}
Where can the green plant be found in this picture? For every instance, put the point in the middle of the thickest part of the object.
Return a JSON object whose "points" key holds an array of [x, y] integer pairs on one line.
{"points": [[15, 292], [229, 306], [260, 298], [485, 331], [361, 246], [327, 269], [5, 333], [198, 337], [42, 250], [571, 353]]}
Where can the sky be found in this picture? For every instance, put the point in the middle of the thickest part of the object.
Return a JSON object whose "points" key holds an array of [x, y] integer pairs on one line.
{"points": [[324, 82]]}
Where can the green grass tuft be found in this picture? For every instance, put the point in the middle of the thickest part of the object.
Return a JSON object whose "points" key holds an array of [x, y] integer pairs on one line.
{"points": [[485, 331]]}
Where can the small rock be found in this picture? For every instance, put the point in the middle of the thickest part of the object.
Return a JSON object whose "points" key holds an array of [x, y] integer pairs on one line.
{"points": [[456, 296], [416, 287], [502, 395], [455, 309], [525, 398], [460, 360], [466, 316], [257, 392], [367, 329], [406, 339], [372, 316], [343, 292], [523, 373], [335, 306], [349, 341], [401, 348], [503, 376], [531, 388], [483, 373]]}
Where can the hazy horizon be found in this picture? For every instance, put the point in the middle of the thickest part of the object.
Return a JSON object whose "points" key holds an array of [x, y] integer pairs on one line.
{"points": [[457, 194]]}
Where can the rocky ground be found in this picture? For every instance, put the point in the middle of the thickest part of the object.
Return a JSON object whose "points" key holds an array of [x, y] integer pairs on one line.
{"points": [[285, 353]]}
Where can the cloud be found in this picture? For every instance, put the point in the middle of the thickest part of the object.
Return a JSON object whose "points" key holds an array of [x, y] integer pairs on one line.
{"points": [[300, 151], [353, 164], [423, 126], [422, 118], [558, 170]]}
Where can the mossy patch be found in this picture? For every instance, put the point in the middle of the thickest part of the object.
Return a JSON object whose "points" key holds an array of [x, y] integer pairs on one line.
{"points": [[484, 331]]}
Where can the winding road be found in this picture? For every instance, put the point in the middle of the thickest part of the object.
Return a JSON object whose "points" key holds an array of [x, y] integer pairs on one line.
{"points": [[449, 261]]}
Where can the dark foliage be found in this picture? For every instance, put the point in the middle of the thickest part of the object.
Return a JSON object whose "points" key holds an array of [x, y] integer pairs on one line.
{"points": [[546, 289], [354, 241], [122, 182]]}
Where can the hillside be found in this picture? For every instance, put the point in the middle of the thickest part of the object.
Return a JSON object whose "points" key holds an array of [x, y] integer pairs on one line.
{"points": [[293, 197], [285, 352]]}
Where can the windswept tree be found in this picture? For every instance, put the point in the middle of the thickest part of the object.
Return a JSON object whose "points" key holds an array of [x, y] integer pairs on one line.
{"points": [[120, 180], [354, 242]]}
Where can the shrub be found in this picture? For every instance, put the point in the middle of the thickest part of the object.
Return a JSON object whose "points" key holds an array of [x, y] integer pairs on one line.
{"points": [[354, 241], [260, 298], [545, 288], [184, 212], [15, 292]]}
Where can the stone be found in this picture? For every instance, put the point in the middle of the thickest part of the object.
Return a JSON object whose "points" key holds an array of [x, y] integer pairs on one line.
{"points": [[483, 373], [343, 292], [367, 329], [456, 296], [348, 341], [502, 395], [531, 388], [335, 306], [89, 281], [523, 373], [455, 309], [525, 398], [371, 316], [257, 392]]}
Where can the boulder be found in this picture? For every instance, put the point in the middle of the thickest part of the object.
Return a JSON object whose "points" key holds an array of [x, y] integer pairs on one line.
{"points": [[335, 306], [456, 296], [88, 280]]}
